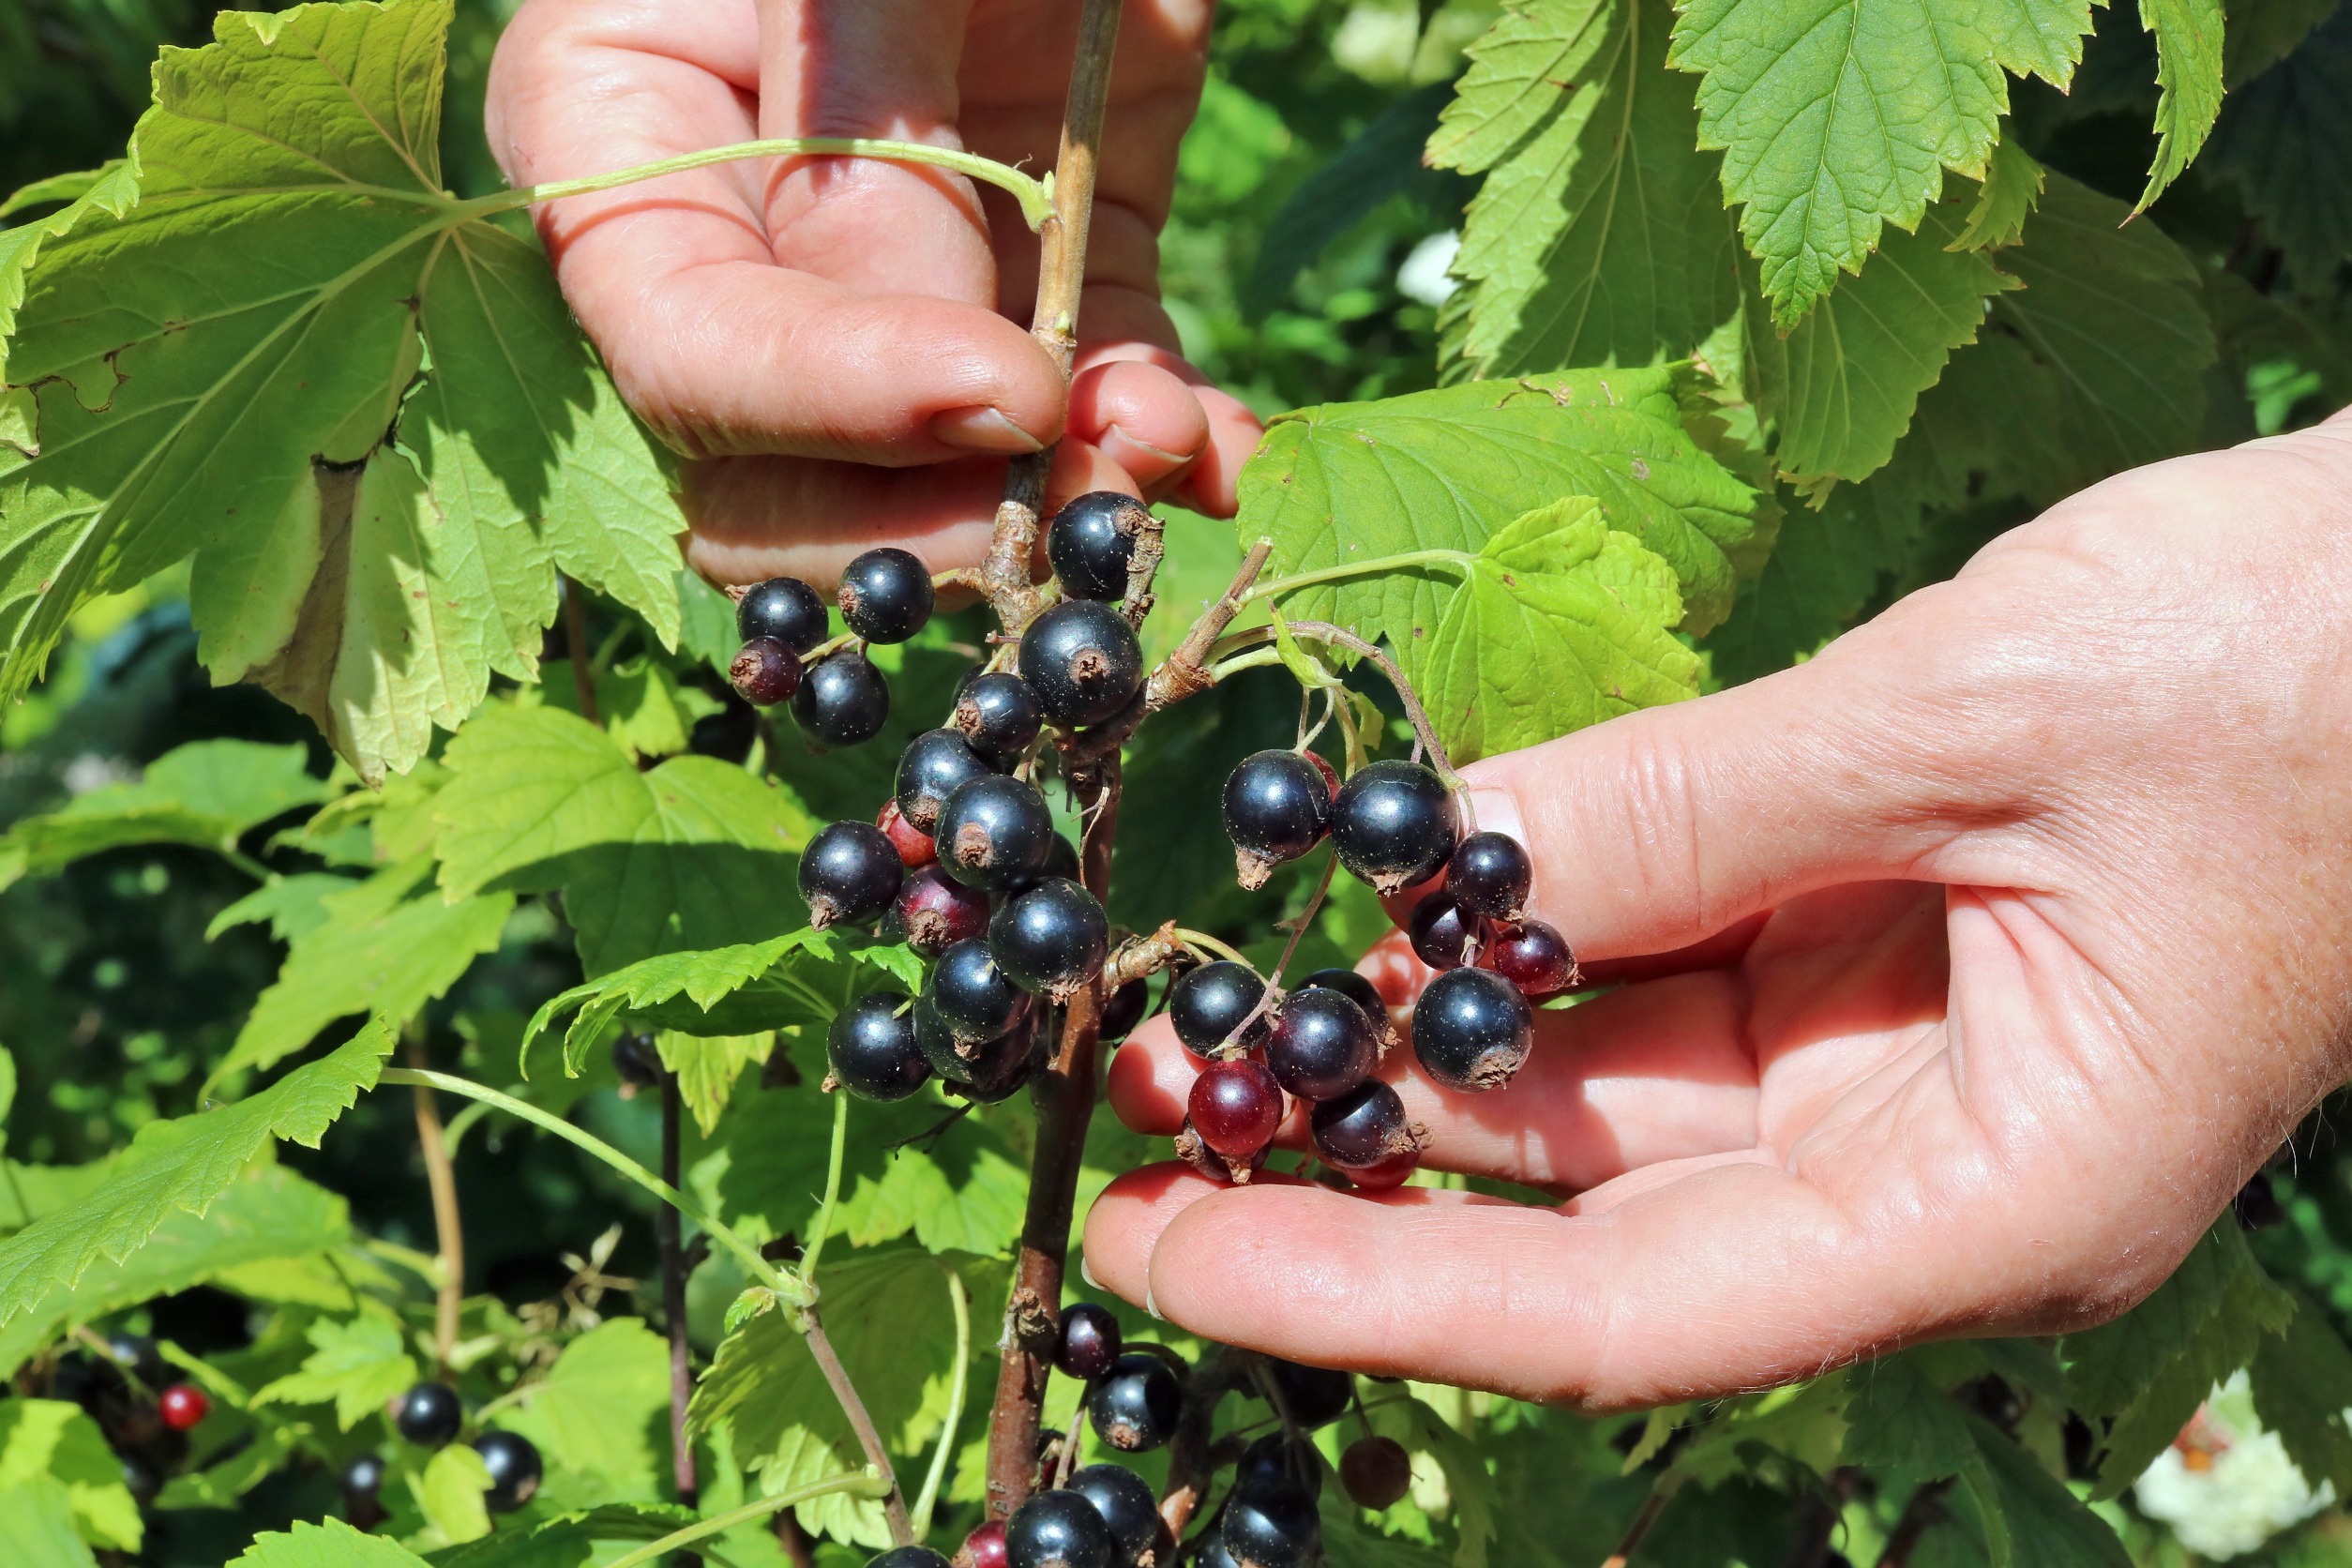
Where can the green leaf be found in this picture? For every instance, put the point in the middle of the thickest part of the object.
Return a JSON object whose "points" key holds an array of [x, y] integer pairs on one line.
{"points": [[332, 1545], [2116, 313], [52, 1440], [1560, 623], [70, 187], [451, 1496], [2281, 140], [1445, 470], [208, 793], [290, 905], [2261, 33], [790, 980], [1519, 72], [1838, 116], [388, 946], [2302, 1386], [693, 855], [2027, 1517], [2011, 189], [183, 1167], [707, 1066], [1842, 385], [1897, 1418], [359, 404], [1603, 237], [603, 1410], [2189, 55], [964, 1191], [1472, 1498], [358, 1364], [37, 1521]]}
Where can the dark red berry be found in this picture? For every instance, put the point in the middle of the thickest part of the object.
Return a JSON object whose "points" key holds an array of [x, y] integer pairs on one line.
{"points": [[785, 609], [1089, 1342], [1394, 1171], [842, 700], [933, 766], [1377, 1472], [1491, 873], [1394, 824], [994, 832], [1441, 931], [914, 847], [1125, 1010], [765, 672], [183, 1406], [1363, 1128], [1235, 1107], [1207, 1004], [871, 1047], [1331, 775], [1321, 1045], [850, 874], [886, 596], [1052, 940], [1277, 806], [998, 715], [1472, 1029], [1082, 661], [1533, 956], [936, 912], [985, 1546], [1091, 543]]}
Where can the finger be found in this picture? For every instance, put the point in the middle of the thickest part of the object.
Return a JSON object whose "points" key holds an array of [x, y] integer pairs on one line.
{"points": [[1140, 416], [758, 518], [1212, 486], [1661, 1071]]}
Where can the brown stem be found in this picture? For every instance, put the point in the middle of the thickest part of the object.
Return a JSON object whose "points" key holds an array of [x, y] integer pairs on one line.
{"points": [[668, 1233], [1150, 548], [1925, 1509], [1183, 673], [443, 1179], [576, 642], [870, 1440], [1661, 1493], [1141, 957], [1323, 631]]}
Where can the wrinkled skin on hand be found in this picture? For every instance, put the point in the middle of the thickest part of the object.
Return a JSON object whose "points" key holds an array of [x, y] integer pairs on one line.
{"points": [[2026, 914], [838, 345]]}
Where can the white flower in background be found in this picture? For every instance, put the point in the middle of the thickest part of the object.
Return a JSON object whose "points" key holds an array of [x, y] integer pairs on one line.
{"points": [[1379, 39], [1423, 275], [2226, 1486]]}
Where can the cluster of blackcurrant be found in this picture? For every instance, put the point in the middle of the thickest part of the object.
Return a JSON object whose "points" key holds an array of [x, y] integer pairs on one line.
{"points": [[836, 694], [145, 1419], [431, 1415]]}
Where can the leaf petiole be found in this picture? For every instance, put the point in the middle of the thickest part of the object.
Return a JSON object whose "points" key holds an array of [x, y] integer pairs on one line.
{"points": [[864, 1483], [1462, 560]]}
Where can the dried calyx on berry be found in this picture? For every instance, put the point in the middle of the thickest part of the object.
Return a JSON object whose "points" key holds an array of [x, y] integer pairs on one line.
{"points": [[999, 715], [1135, 1405], [932, 767], [1472, 1029], [1277, 806], [765, 672], [1082, 661]]}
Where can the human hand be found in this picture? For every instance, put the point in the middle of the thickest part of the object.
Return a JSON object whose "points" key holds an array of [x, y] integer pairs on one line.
{"points": [[2028, 909], [840, 344]]}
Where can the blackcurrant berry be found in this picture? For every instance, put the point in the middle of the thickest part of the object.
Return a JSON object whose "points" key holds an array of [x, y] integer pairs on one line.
{"points": [[1441, 931], [635, 1059], [973, 997], [1060, 861], [1277, 809], [137, 1355], [1125, 1010], [914, 847], [765, 672], [1089, 1341], [1363, 1127], [842, 700], [1135, 1405], [935, 911], [1209, 1003], [1127, 1504], [994, 832], [1235, 1107], [1354, 986], [1208, 1552], [1001, 1066], [985, 1547], [183, 1405], [911, 1557], [949, 1057], [363, 1492], [1091, 542], [513, 1463], [1392, 824], [886, 596], [429, 1413], [1275, 1460], [1052, 940], [1394, 1171], [142, 1480], [1082, 661], [1321, 1045], [872, 1051], [1273, 1526], [998, 715], [1377, 1472], [1058, 1529], [929, 769], [1472, 1029], [1533, 956], [850, 873], [1312, 1396], [785, 609], [1491, 873]]}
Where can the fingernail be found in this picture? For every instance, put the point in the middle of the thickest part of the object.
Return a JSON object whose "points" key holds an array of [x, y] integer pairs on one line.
{"points": [[1137, 441], [982, 429], [1086, 1271], [1497, 811], [1151, 1308]]}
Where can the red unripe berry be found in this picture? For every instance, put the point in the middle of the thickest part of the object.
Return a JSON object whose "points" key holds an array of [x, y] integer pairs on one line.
{"points": [[936, 912], [1391, 1173], [1235, 1107], [1376, 1471], [913, 845], [984, 1547], [1331, 775], [765, 672], [1533, 957], [183, 1405]]}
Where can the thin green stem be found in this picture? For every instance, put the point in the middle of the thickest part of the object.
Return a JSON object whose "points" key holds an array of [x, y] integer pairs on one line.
{"points": [[824, 1225], [703, 1530], [1034, 195], [787, 1287], [247, 864], [1203, 940], [1257, 659], [925, 1499], [1460, 558]]}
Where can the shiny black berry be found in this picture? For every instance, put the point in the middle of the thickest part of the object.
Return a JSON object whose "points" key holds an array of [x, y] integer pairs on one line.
{"points": [[994, 832], [1321, 1045], [842, 700], [1363, 1128], [1312, 1396], [998, 715], [1091, 542], [1125, 1010], [1082, 661], [1533, 957], [886, 596], [1472, 1029], [908, 1557], [1277, 809], [1135, 1405], [430, 1413], [1061, 860], [1491, 873], [1272, 1526], [975, 998], [1392, 824], [934, 911], [1089, 1341], [872, 1051], [785, 609], [1058, 1529], [1125, 1500], [949, 1057], [363, 1492], [1207, 1004], [930, 769], [513, 1463], [1441, 931], [635, 1060], [1001, 1066], [1354, 986], [1052, 940], [1275, 1460], [765, 672], [1377, 1472], [139, 1355], [850, 874]]}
